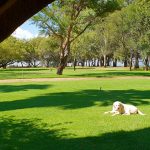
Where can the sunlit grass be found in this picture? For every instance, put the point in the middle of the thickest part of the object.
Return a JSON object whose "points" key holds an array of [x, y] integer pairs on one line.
{"points": [[68, 115], [23, 73]]}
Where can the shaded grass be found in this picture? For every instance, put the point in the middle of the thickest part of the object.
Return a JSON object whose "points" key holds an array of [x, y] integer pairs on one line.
{"points": [[23, 134], [68, 115], [76, 100]]}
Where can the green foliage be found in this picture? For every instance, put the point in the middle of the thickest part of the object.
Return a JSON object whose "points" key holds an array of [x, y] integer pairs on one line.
{"points": [[57, 17], [102, 7], [30, 51], [84, 47], [8, 51], [49, 50]]}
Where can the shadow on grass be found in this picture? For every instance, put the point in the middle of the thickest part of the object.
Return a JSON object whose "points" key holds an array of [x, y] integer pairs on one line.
{"points": [[17, 88], [23, 69], [80, 99], [27, 135], [113, 74]]}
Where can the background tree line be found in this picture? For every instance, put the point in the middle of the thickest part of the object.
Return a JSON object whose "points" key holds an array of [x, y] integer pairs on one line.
{"points": [[92, 33]]}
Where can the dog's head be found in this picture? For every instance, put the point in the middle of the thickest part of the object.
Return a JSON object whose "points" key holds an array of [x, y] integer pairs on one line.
{"points": [[118, 106]]}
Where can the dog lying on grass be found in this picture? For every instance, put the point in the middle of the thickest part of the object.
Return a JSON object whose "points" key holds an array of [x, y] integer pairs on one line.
{"points": [[125, 109]]}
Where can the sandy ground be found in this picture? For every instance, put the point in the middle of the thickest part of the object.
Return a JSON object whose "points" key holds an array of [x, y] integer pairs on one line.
{"points": [[67, 79]]}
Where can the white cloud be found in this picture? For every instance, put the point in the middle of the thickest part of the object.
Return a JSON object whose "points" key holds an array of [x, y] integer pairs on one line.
{"points": [[23, 34]]}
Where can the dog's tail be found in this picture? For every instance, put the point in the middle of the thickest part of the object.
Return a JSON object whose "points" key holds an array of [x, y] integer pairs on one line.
{"points": [[140, 113]]}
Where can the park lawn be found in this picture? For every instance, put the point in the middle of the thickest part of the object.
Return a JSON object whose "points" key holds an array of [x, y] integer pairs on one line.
{"points": [[25, 73], [68, 115]]}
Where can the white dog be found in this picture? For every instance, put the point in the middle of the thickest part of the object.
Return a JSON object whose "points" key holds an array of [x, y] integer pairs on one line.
{"points": [[120, 108]]}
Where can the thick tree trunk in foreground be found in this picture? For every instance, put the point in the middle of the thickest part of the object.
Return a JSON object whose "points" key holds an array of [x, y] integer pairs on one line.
{"points": [[62, 65], [65, 51]]}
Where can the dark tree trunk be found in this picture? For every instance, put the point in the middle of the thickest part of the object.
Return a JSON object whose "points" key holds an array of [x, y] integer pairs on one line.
{"points": [[146, 62], [86, 63], [102, 61], [115, 62], [82, 62], [93, 63], [107, 61], [62, 65], [47, 63], [125, 63], [29, 64], [130, 62], [65, 50], [4, 66], [98, 63], [136, 64], [89, 63], [74, 64]]}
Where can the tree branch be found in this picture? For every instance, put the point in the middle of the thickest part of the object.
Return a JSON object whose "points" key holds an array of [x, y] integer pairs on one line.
{"points": [[50, 28], [81, 31]]}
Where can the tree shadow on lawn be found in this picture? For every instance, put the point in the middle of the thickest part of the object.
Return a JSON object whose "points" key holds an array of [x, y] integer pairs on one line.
{"points": [[26, 134], [22, 69], [26, 87], [113, 74], [80, 99]]}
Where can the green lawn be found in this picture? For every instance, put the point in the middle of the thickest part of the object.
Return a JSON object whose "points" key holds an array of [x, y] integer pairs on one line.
{"points": [[68, 115], [69, 72]]}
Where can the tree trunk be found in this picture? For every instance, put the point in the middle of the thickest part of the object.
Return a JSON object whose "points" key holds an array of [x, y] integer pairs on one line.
{"points": [[105, 61], [82, 62], [47, 63], [65, 50], [21, 64], [125, 63], [62, 65], [115, 62], [130, 62], [98, 63], [146, 64], [86, 63], [89, 63], [136, 64], [4, 66], [74, 64], [102, 61], [93, 62]]}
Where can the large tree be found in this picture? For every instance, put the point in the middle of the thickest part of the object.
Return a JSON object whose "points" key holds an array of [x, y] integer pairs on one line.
{"points": [[29, 51], [68, 20], [49, 51], [8, 51]]}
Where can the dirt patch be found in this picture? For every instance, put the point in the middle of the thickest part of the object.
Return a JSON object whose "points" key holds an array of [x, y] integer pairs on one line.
{"points": [[66, 79]]}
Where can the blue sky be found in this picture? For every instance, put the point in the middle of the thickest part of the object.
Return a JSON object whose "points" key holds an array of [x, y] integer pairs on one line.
{"points": [[29, 27], [26, 31]]}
